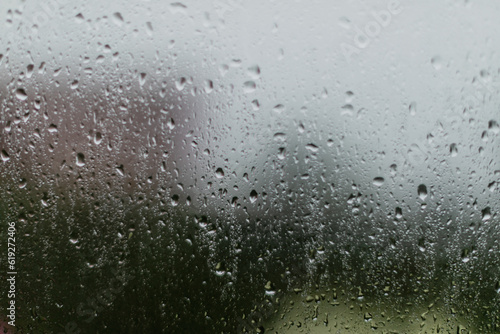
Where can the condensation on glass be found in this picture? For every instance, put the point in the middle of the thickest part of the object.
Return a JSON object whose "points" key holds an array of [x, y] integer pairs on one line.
{"points": [[268, 166]]}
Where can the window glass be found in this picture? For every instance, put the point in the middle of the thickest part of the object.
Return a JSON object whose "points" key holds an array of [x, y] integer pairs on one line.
{"points": [[231, 166]]}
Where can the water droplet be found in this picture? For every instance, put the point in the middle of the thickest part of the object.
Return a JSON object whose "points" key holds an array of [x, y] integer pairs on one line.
{"points": [[279, 108], [349, 97], [281, 153], [120, 170], [149, 28], [399, 213], [493, 126], [79, 18], [219, 270], [281, 54], [97, 138], [421, 244], [484, 136], [378, 181], [249, 87], [74, 84], [437, 62], [269, 289], [29, 70], [208, 86], [279, 137], [80, 159], [21, 94], [223, 69], [453, 150], [254, 72], [253, 196], [422, 192], [175, 200], [413, 108], [118, 19], [301, 127], [219, 173], [394, 169], [22, 183], [311, 147], [142, 79], [465, 256], [347, 109], [5, 156], [177, 7], [171, 124], [484, 73], [324, 93], [52, 128], [255, 105], [486, 213], [179, 84], [492, 186]]}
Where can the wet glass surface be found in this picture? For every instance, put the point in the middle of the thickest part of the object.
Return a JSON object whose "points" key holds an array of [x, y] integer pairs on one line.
{"points": [[227, 166]]}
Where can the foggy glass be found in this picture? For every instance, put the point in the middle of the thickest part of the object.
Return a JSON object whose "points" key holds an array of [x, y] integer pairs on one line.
{"points": [[262, 166]]}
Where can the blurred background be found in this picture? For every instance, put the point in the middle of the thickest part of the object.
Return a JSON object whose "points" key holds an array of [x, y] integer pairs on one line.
{"points": [[273, 166]]}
